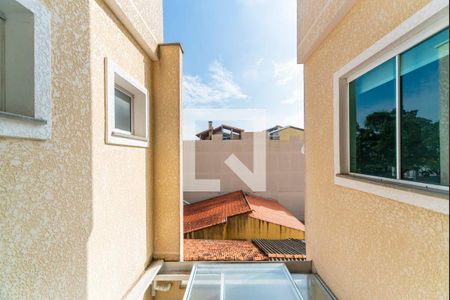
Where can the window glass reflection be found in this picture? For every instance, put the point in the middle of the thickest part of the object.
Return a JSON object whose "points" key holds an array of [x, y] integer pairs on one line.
{"points": [[372, 122], [424, 118]]}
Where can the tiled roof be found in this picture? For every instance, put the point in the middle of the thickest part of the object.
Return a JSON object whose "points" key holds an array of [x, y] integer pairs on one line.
{"points": [[290, 249], [217, 210], [219, 129], [214, 211], [272, 212], [222, 250]]}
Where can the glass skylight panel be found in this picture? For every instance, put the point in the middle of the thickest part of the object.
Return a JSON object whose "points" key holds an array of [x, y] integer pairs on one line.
{"points": [[310, 287], [241, 282]]}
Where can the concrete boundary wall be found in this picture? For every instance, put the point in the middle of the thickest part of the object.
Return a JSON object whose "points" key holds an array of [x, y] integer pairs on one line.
{"points": [[285, 170]]}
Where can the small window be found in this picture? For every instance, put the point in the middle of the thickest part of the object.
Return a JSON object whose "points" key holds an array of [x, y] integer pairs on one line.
{"points": [[25, 70], [123, 110], [127, 103], [398, 116]]}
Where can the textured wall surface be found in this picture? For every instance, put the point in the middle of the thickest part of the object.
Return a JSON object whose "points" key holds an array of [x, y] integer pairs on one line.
{"points": [[120, 244], [285, 169], [45, 186], [315, 21], [167, 149], [76, 215], [145, 20], [364, 246]]}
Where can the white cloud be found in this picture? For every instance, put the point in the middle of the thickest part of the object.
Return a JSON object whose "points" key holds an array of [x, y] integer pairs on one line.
{"points": [[293, 98], [285, 72], [254, 71], [220, 88]]}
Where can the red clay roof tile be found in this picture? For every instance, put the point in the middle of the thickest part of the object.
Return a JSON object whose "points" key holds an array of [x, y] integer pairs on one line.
{"points": [[222, 250], [214, 211], [217, 210], [272, 212]]}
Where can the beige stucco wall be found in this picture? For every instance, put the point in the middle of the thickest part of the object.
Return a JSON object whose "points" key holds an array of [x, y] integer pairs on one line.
{"points": [[46, 209], [144, 19], [167, 149], [285, 169], [364, 246], [316, 19], [120, 244], [77, 215]]}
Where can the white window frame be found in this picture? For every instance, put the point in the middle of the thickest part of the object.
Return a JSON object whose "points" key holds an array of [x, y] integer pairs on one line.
{"points": [[38, 126], [428, 21], [118, 78]]}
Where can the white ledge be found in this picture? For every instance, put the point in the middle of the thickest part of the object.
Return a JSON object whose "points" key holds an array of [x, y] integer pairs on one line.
{"points": [[434, 201], [143, 283]]}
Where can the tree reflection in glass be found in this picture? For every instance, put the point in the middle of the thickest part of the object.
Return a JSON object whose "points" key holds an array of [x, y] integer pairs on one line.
{"points": [[424, 119], [372, 122]]}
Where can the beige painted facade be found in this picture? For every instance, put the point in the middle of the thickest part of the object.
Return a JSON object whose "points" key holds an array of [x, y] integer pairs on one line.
{"points": [[285, 169], [77, 215], [167, 183], [364, 246]]}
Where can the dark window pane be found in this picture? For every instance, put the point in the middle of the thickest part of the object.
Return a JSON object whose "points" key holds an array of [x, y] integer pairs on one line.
{"points": [[122, 111], [424, 92], [372, 122]]}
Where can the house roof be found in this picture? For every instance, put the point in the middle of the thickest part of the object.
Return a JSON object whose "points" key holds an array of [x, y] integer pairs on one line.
{"points": [[222, 250], [291, 249], [214, 211], [233, 250], [276, 127], [272, 212], [220, 128], [286, 127], [217, 210]]}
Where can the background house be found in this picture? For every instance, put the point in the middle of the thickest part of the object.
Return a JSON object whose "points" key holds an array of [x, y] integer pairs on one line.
{"points": [[240, 216], [224, 132], [286, 133]]}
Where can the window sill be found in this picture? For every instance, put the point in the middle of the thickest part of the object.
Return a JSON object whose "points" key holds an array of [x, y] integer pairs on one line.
{"points": [[129, 136], [125, 139], [433, 200], [14, 116]]}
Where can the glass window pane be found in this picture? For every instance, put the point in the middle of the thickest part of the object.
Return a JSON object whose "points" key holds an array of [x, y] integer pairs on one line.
{"points": [[122, 111], [424, 118], [372, 102], [242, 282]]}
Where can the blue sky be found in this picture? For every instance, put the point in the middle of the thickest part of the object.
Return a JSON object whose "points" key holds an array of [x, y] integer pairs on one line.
{"points": [[239, 55]]}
